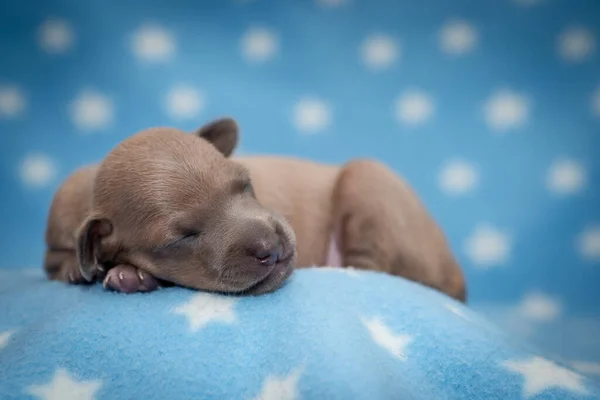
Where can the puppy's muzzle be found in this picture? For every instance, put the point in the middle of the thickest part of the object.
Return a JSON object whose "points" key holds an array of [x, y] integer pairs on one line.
{"points": [[264, 242]]}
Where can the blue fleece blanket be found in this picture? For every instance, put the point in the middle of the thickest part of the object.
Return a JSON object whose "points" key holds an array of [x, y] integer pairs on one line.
{"points": [[327, 334]]}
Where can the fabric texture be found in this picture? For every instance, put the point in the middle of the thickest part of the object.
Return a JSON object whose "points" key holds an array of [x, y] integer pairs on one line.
{"points": [[329, 333]]}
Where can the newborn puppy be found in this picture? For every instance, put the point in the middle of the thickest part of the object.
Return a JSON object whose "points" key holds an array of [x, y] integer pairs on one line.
{"points": [[68, 210], [180, 208]]}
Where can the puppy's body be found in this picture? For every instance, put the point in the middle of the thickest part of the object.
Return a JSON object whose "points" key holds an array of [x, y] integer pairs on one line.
{"points": [[363, 212], [184, 211]]}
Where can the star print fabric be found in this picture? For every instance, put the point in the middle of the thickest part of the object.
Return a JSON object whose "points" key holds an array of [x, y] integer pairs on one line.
{"points": [[329, 333]]}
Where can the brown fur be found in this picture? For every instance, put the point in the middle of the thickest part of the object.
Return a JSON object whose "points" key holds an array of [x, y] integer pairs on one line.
{"points": [[382, 225], [378, 220], [69, 208], [174, 205], [160, 186], [301, 191]]}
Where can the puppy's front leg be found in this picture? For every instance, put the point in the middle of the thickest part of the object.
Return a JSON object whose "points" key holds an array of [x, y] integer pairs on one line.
{"points": [[129, 279]]}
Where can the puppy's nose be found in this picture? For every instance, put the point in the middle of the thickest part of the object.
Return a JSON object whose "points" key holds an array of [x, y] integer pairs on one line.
{"points": [[269, 254], [265, 243]]}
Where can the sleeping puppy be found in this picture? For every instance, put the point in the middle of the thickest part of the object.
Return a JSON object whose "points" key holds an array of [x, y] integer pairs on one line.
{"points": [[68, 210], [180, 208]]}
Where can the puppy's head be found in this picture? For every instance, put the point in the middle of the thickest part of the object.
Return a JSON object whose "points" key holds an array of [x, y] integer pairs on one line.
{"points": [[176, 206]]}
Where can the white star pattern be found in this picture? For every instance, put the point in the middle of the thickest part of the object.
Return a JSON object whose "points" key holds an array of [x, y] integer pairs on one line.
{"points": [[152, 43], [539, 307], [5, 338], [458, 177], [588, 243], [259, 44], [379, 51], [458, 37], [576, 44], [414, 107], [506, 110], [566, 177], [382, 335], [12, 101], [540, 374], [487, 246], [280, 388], [56, 36], [184, 102], [63, 386], [456, 310], [37, 170], [91, 111], [596, 102], [204, 308], [311, 115], [350, 271]]}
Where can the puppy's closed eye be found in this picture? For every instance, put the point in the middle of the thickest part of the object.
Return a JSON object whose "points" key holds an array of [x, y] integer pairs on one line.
{"points": [[192, 235], [241, 185], [183, 243], [248, 188], [187, 238]]}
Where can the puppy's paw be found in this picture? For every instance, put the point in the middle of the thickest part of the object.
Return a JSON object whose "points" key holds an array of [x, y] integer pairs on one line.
{"points": [[62, 266], [71, 275], [128, 279]]}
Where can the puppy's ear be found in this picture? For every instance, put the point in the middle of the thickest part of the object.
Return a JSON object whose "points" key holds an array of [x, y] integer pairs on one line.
{"points": [[89, 241], [222, 133]]}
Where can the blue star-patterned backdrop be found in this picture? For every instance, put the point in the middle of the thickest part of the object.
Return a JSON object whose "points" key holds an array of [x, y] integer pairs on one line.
{"points": [[491, 110]]}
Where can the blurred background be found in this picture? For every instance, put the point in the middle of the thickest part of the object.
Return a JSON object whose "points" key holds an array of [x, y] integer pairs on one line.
{"points": [[491, 110]]}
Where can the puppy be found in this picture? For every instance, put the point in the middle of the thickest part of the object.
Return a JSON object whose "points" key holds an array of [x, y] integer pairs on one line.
{"points": [[182, 209], [68, 210]]}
